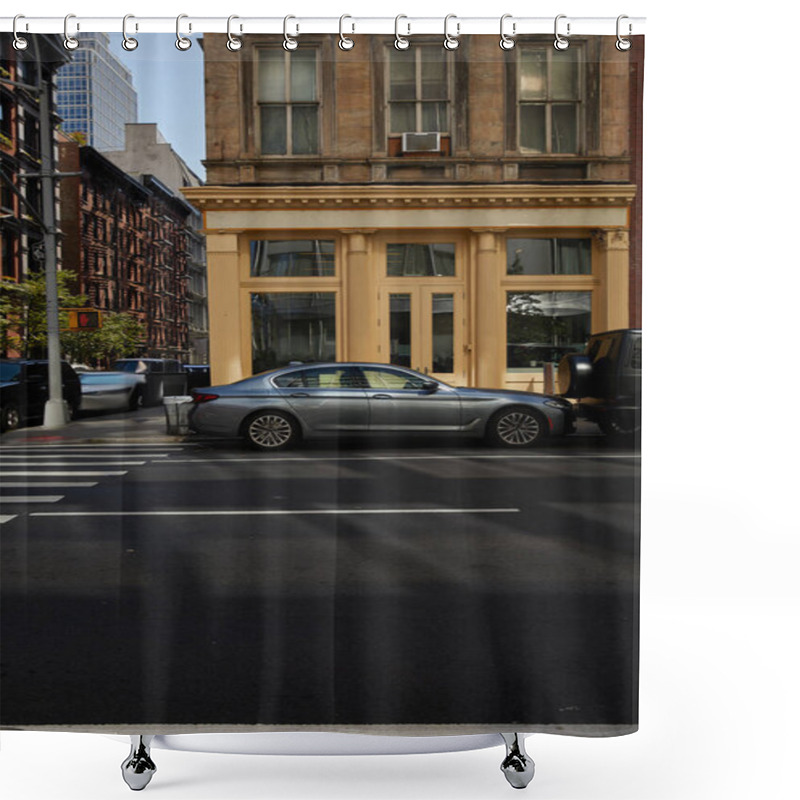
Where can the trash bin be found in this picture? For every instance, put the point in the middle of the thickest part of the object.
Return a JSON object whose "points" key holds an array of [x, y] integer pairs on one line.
{"points": [[177, 410]]}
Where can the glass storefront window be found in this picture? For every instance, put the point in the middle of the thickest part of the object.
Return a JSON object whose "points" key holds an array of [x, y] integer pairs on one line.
{"points": [[292, 259], [292, 326], [420, 260], [549, 257], [542, 327]]}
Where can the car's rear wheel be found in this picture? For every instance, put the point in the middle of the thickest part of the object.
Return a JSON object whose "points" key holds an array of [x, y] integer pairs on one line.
{"points": [[271, 430], [136, 400], [517, 427], [9, 417]]}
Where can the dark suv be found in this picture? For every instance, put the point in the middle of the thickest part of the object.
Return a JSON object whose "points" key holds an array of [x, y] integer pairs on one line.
{"points": [[607, 380], [24, 390]]}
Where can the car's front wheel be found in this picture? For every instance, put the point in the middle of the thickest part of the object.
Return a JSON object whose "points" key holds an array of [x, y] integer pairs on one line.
{"points": [[271, 430], [9, 417], [517, 427]]}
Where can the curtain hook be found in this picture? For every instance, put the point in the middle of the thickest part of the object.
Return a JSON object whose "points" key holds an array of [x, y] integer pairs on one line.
{"points": [[289, 42], [19, 42], [623, 44], [346, 43], [128, 42], [234, 43], [451, 40], [561, 43], [181, 42], [70, 42], [507, 42], [400, 42]]}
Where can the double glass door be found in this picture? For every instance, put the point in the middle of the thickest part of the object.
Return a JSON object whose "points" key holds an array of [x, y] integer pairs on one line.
{"points": [[422, 327]]}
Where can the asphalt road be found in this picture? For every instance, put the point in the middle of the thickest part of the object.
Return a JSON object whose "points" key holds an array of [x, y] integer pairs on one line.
{"points": [[338, 584]]}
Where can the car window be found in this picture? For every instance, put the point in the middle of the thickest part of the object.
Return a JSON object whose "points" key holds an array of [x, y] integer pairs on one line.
{"points": [[9, 372], [322, 378], [635, 354], [391, 379], [600, 348], [130, 366]]}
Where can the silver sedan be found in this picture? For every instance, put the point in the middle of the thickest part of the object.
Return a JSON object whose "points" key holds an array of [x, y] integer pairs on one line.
{"points": [[111, 391], [276, 409]]}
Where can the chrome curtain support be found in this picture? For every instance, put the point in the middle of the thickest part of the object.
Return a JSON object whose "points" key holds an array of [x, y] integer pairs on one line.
{"points": [[289, 42], [400, 42], [346, 43], [561, 43], [517, 766], [128, 42], [623, 44], [234, 43], [451, 40], [181, 42], [70, 42], [138, 768], [19, 42], [507, 42]]}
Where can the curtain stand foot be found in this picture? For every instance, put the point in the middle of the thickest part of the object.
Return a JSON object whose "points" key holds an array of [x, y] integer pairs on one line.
{"points": [[518, 766], [138, 768]]}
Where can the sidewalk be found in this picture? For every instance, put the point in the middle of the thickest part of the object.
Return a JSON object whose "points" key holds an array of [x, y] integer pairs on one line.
{"points": [[145, 426]]}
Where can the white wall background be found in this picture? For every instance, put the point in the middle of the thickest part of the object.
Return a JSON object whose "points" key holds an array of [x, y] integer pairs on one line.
{"points": [[719, 694]]}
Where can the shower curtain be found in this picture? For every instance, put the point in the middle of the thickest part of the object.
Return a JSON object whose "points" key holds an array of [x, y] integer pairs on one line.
{"points": [[470, 212]]}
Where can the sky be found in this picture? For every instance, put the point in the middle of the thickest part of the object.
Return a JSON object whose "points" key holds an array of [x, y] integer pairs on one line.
{"points": [[169, 84]]}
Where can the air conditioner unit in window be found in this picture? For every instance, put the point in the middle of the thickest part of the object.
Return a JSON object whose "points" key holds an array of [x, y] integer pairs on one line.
{"points": [[422, 142]]}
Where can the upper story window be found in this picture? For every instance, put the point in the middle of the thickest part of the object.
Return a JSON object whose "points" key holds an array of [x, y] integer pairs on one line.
{"points": [[288, 101], [419, 89], [551, 93], [539, 256]]}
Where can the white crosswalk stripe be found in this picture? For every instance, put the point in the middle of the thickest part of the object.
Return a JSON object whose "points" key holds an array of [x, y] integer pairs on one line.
{"points": [[31, 469]]}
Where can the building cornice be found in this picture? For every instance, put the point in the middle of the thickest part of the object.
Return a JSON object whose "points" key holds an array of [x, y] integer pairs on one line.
{"points": [[373, 196]]}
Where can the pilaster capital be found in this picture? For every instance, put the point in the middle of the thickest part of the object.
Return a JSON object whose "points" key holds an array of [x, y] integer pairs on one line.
{"points": [[612, 239], [488, 238], [358, 238]]}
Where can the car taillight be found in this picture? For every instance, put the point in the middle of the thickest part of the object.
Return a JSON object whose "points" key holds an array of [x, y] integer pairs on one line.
{"points": [[203, 397]]}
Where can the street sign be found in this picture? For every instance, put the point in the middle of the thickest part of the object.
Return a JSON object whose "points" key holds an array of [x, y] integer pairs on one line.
{"points": [[84, 319]]}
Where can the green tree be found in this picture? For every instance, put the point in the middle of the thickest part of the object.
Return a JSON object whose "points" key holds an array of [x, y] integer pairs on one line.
{"points": [[23, 312], [121, 335]]}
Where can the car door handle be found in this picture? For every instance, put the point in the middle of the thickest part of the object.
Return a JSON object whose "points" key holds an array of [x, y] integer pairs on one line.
{"points": [[381, 397], [299, 394]]}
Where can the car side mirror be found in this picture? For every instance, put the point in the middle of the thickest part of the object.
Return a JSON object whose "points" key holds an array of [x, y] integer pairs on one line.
{"points": [[430, 386]]}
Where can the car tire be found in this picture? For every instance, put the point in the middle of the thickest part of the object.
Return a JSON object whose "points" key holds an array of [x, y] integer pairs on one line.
{"points": [[518, 426], [9, 417], [271, 430], [620, 426], [136, 400]]}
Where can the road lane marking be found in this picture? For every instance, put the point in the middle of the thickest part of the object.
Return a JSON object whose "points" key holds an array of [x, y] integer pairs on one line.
{"points": [[84, 455], [47, 484], [96, 446], [278, 512], [69, 464], [69, 473], [7, 518], [25, 498], [279, 460]]}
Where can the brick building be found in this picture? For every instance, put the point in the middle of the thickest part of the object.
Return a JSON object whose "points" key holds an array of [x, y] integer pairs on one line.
{"points": [[127, 241], [473, 214]]}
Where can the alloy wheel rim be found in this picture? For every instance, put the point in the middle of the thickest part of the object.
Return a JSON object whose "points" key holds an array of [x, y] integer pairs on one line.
{"points": [[11, 418], [270, 431], [518, 428]]}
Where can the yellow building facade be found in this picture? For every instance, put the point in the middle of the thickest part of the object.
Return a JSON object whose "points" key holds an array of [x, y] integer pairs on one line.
{"points": [[476, 263]]}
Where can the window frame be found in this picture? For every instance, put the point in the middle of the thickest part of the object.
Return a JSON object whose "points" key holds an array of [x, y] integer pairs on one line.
{"points": [[287, 104], [577, 50], [418, 102]]}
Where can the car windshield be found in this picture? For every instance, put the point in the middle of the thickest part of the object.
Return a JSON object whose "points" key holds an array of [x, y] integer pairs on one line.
{"points": [[131, 366], [9, 372]]}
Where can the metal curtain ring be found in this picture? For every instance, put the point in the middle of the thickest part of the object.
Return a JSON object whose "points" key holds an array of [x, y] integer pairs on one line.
{"points": [[623, 44], [128, 42], [234, 43], [561, 43], [507, 42], [181, 42], [450, 40], [70, 42], [289, 42], [19, 42], [345, 43], [400, 42]]}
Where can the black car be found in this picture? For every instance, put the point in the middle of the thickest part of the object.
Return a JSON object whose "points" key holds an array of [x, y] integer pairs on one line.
{"points": [[24, 390]]}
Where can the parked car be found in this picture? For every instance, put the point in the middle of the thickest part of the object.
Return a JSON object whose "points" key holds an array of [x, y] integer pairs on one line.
{"points": [[25, 389], [276, 409], [607, 380], [111, 391], [163, 376]]}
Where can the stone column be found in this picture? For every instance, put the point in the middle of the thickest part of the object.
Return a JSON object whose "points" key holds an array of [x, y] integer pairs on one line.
{"points": [[224, 313], [360, 300], [611, 308], [490, 322]]}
